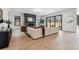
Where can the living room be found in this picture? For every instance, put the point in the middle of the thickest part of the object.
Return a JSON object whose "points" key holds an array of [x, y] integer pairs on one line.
{"points": [[42, 28]]}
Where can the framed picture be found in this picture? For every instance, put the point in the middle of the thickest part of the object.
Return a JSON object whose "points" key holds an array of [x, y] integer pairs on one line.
{"points": [[17, 21], [69, 19]]}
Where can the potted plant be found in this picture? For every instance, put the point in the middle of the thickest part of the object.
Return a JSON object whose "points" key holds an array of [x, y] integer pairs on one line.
{"points": [[42, 21]]}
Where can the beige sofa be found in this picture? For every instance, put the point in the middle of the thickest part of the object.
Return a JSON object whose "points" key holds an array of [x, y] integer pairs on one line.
{"points": [[51, 30], [37, 33], [34, 33]]}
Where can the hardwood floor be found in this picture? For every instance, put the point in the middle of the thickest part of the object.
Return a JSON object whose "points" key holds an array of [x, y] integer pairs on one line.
{"points": [[60, 41]]}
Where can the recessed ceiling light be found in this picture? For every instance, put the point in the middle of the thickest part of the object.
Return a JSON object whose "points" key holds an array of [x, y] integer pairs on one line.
{"points": [[38, 10]]}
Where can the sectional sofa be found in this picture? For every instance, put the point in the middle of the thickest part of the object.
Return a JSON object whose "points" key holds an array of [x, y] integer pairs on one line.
{"points": [[37, 32]]}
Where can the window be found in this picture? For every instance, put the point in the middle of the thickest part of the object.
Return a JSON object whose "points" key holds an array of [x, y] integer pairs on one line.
{"points": [[54, 21]]}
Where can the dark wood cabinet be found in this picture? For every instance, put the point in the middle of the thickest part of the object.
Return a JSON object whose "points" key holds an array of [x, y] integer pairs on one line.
{"points": [[23, 28], [5, 37]]}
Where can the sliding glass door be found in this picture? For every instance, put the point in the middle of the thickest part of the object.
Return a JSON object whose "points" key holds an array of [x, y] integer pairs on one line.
{"points": [[54, 21], [59, 21], [48, 22]]}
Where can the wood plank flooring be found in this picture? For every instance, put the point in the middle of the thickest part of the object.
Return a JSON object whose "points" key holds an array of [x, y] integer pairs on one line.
{"points": [[60, 41]]}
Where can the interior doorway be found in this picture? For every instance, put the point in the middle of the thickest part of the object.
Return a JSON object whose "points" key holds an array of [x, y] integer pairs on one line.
{"points": [[17, 22]]}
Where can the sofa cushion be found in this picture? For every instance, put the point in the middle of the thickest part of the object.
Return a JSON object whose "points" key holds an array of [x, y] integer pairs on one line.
{"points": [[34, 33], [51, 30], [47, 31]]}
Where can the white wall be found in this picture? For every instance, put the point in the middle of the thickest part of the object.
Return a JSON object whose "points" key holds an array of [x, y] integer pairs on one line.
{"points": [[65, 13], [71, 27], [5, 13], [11, 17]]}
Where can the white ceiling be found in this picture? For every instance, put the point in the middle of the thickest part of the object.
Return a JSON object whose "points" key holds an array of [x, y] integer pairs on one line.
{"points": [[31, 10], [44, 11]]}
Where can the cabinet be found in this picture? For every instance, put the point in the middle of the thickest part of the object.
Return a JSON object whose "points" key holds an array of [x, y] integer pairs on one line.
{"points": [[5, 37], [23, 28]]}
